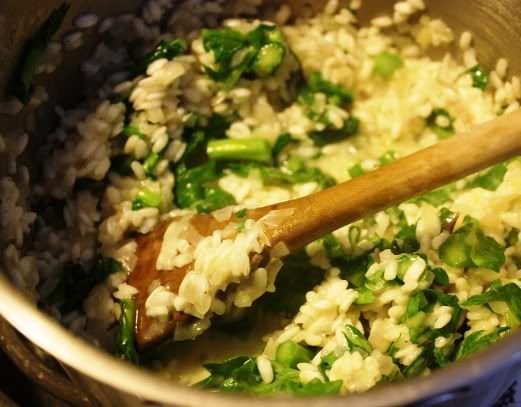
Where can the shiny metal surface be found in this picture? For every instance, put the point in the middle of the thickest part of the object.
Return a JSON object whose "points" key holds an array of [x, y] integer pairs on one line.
{"points": [[476, 382]]}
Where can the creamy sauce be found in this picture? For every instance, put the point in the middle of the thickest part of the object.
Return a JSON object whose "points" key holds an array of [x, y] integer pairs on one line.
{"points": [[182, 361]]}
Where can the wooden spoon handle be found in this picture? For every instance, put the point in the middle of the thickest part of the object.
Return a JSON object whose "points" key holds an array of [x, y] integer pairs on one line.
{"points": [[425, 170]]}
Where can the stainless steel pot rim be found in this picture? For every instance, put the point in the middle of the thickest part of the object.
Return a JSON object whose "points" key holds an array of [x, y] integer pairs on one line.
{"points": [[81, 356]]}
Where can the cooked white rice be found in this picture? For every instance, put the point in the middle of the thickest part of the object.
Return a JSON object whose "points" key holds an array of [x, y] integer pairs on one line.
{"points": [[393, 114]]}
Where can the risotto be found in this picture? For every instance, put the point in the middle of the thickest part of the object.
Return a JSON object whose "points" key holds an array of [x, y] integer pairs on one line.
{"points": [[214, 111]]}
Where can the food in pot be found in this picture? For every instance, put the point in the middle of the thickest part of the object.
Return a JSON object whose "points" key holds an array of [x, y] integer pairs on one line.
{"points": [[190, 114]]}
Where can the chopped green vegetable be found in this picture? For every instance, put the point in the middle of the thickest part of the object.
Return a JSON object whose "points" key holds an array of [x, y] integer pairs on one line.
{"points": [[405, 240], [335, 94], [194, 189], [146, 198], [268, 59], [479, 77], [353, 269], [251, 149], [282, 141], [469, 247], [326, 363], [241, 213], [150, 163], [441, 123], [258, 54], [509, 293], [196, 139], [165, 49], [421, 363], [131, 129], [290, 354], [356, 171], [513, 237], [490, 179], [387, 158], [240, 374], [21, 85], [386, 64], [437, 197], [422, 303], [440, 276], [329, 135], [477, 341], [124, 346], [356, 340], [76, 283], [292, 171], [364, 296], [334, 248], [393, 348], [376, 281], [442, 359], [214, 198]]}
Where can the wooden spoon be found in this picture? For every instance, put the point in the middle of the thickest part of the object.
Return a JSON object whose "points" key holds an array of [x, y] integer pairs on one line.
{"points": [[325, 211]]}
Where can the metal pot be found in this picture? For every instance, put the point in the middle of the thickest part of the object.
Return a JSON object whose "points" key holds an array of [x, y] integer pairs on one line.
{"points": [[96, 378]]}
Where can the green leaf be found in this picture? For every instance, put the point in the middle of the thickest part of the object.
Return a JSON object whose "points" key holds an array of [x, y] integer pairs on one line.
{"points": [[165, 49], [405, 240], [21, 84], [356, 340], [326, 363], [223, 43], [487, 253], [240, 374], [258, 54], [333, 247], [335, 94], [441, 358], [189, 187], [354, 269], [477, 341], [214, 198], [386, 63], [509, 293], [421, 363], [282, 141], [444, 130], [440, 276], [469, 247], [491, 179], [479, 77], [437, 197], [416, 303], [292, 171], [146, 198], [124, 346], [328, 136]]}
